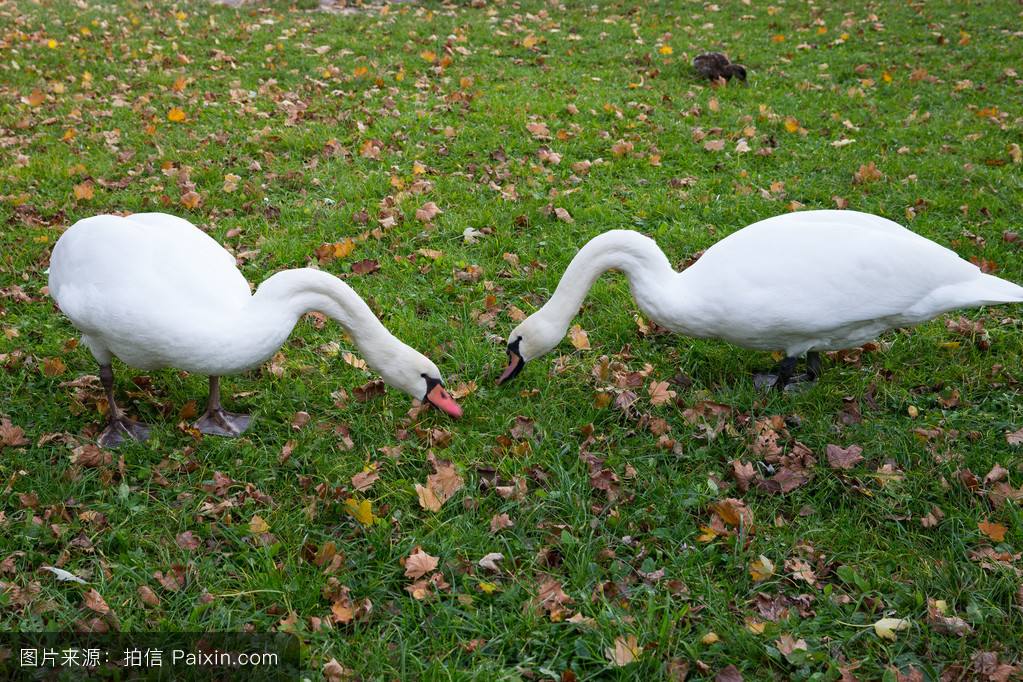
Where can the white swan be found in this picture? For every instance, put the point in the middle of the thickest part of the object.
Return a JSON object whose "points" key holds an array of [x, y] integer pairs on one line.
{"points": [[156, 291], [802, 282]]}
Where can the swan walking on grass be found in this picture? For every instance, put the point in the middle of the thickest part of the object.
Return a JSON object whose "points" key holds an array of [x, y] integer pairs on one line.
{"points": [[803, 283], [156, 291]]}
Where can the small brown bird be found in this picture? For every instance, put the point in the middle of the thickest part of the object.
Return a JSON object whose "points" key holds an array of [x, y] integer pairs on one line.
{"points": [[714, 65]]}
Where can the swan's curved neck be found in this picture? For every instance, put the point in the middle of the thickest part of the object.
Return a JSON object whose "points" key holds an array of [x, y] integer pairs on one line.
{"points": [[283, 298], [644, 264]]}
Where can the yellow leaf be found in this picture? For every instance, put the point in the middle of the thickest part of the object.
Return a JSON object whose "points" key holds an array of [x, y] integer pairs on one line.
{"points": [[428, 56], [52, 44], [343, 249], [708, 534], [361, 510], [886, 77], [418, 168], [778, 38], [179, 84], [488, 588], [176, 115], [579, 338], [258, 525], [84, 191], [761, 569], [665, 49], [887, 627], [35, 98], [360, 71], [791, 124], [529, 42], [710, 638], [755, 626], [995, 531]]}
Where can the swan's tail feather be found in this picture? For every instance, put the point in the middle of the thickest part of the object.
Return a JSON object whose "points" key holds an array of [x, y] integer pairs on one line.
{"points": [[984, 290]]}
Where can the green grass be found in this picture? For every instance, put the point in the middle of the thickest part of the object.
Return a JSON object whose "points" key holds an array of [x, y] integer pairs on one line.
{"points": [[906, 81]]}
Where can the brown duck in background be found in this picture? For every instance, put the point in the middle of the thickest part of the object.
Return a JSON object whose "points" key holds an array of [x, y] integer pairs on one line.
{"points": [[714, 65]]}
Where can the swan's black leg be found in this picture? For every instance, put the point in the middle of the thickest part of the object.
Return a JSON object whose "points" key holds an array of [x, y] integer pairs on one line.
{"points": [[217, 421], [786, 368], [119, 427], [813, 365]]}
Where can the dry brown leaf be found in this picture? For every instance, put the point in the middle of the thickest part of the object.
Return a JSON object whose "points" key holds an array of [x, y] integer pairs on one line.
{"points": [[844, 458], [660, 392], [625, 651], [427, 212], [579, 338], [419, 563], [94, 601], [995, 531]]}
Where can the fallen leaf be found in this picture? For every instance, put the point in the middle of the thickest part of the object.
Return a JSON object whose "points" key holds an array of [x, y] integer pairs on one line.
{"points": [[428, 499], [362, 510], [489, 562], [995, 531], [419, 563], [868, 172], [563, 215], [258, 525], [887, 627], [147, 596], [660, 392], [427, 212], [364, 479], [579, 338], [499, 522], [844, 458], [188, 541], [94, 601], [626, 650], [787, 645], [176, 115], [761, 569], [365, 267], [191, 200], [728, 674], [84, 191]]}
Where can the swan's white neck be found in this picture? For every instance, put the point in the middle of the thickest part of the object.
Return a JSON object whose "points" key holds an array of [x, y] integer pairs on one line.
{"points": [[653, 282], [283, 298]]}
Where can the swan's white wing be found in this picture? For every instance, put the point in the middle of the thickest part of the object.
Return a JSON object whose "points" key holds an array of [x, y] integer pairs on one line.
{"points": [[147, 289], [826, 279]]}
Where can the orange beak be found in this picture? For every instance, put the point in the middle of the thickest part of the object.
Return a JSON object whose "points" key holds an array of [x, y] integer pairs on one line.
{"points": [[443, 401]]}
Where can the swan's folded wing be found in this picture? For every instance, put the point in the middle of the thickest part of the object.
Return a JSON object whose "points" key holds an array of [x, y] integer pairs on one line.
{"points": [[818, 276]]}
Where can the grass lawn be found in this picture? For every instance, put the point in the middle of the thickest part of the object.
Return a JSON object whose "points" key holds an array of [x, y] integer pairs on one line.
{"points": [[633, 550]]}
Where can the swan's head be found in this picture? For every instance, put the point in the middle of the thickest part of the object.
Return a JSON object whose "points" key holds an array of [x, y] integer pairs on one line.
{"points": [[531, 339], [415, 374]]}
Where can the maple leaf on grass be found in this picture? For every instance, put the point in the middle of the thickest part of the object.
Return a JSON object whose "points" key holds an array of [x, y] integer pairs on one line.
{"points": [[419, 563], [995, 531], [844, 458]]}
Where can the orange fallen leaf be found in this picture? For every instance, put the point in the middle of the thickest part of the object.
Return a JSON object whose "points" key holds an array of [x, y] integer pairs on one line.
{"points": [[995, 531]]}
